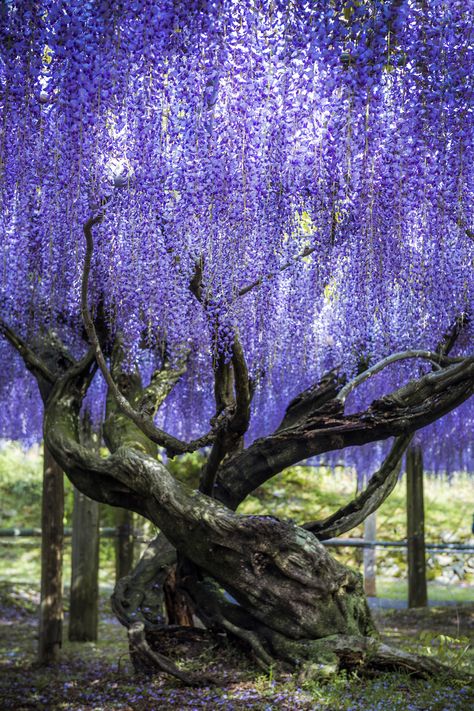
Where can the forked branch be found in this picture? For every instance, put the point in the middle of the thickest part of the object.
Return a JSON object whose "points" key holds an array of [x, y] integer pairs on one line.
{"points": [[172, 445], [415, 405], [384, 480], [232, 394]]}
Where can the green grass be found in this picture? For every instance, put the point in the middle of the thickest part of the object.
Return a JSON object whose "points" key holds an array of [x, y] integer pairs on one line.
{"points": [[20, 562], [437, 592], [99, 675], [306, 493], [20, 507]]}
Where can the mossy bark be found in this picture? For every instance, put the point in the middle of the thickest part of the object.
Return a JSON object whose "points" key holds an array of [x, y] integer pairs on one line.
{"points": [[283, 581], [153, 585], [268, 582]]}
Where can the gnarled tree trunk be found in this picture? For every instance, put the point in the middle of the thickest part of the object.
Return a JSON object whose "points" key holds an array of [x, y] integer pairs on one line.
{"points": [[268, 582]]}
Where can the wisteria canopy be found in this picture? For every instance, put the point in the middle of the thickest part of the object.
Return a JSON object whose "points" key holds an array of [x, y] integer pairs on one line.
{"points": [[315, 159], [262, 212]]}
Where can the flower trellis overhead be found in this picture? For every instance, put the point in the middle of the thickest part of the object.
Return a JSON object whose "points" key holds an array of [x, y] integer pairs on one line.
{"points": [[239, 136]]}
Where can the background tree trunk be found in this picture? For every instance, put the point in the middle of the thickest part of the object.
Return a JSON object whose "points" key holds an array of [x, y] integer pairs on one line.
{"points": [[83, 612], [52, 513], [417, 591], [124, 543]]}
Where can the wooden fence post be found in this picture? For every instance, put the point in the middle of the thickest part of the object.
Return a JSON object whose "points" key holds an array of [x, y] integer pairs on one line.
{"points": [[369, 556], [417, 590], [51, 605], [83, 609], [124, 543]]}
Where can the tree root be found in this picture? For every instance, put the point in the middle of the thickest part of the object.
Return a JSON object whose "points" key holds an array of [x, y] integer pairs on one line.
{"points": [[262, 657], [374, 655], [219, 615], [148, 661], [314, 657], [138, 597], [362, 654]]}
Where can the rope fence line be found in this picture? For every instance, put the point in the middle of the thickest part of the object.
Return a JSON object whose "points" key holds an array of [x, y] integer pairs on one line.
{"points": [[361, 543], [331, 542]]}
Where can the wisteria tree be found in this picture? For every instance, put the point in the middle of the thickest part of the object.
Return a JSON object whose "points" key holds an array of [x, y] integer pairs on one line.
{"points": [[243, 228]]}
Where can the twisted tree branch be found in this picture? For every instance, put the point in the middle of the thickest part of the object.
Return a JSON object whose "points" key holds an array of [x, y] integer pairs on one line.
{"points": [[435, 358], [232, 393], [278, 574], [33, 363], [380, 486], [416, 404]]}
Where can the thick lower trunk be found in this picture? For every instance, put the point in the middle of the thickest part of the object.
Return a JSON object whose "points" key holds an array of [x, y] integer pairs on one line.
{"points": [[315, 657]]}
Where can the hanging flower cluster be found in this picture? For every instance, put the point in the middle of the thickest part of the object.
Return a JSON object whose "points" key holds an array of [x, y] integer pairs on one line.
{"points": [[238, 136]]}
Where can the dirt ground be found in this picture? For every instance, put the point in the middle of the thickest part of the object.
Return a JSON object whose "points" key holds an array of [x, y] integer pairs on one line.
{"points": [[96, 677]]}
